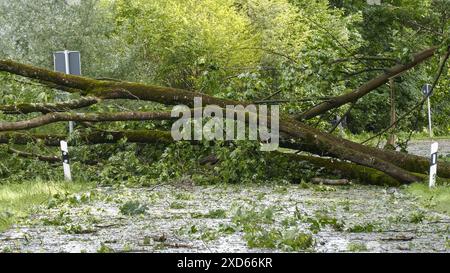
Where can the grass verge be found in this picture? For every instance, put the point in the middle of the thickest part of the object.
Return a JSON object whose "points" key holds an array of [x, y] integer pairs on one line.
{"points": [[18, 200], [437, 198]]}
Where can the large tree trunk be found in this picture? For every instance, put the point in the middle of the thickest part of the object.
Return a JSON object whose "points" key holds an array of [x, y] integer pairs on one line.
{"points": [[352, 171], [409, 162]]}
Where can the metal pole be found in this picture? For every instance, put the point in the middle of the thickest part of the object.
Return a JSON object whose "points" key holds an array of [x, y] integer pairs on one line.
{"points": [[66, 56], [391, 138], [429, 117], [434, 150]]}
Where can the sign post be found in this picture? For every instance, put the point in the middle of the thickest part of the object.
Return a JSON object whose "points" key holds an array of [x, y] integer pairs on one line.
{"points": [[427, 91], [65, 160], [67, 62]]}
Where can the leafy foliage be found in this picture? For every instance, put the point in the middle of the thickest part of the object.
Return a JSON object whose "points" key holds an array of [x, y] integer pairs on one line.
{"points": [[240, 49]]}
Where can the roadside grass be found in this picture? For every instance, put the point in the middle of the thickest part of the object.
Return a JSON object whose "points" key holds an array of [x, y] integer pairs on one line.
{"points": [[437, 198], [427, 137], [17, 200]]}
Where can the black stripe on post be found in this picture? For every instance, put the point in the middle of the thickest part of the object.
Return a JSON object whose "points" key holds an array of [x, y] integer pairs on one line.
{"points": [[65, 157], [433, 159]]}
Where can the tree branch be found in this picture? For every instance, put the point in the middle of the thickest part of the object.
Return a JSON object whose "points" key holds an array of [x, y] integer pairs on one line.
{"points": [[420, 103], [111, 89], [367, 87], [26, 108], [45, 158], [342, 118], [371, 58], [93, 117]]}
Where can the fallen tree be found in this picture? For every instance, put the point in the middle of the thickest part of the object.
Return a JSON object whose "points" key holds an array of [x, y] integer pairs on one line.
{"points": [[352, 171], [408, 162], [317, 142], [345, 169], [321, 141]]}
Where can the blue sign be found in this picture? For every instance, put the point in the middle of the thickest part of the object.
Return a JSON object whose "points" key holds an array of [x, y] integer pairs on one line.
{"points": [[426, 89], [67, 62]]}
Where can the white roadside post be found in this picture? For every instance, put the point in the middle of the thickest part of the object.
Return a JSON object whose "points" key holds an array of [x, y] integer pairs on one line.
{"points": [[67, 62], [427, 91], [433, 164], [65, 160]]}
